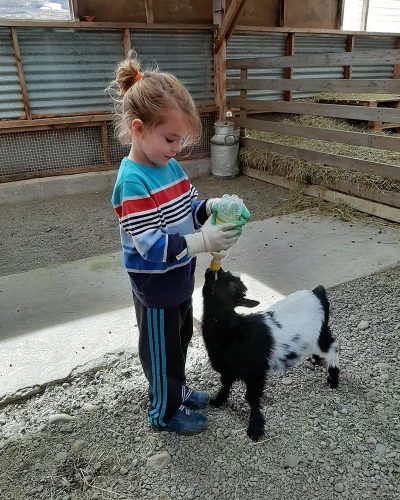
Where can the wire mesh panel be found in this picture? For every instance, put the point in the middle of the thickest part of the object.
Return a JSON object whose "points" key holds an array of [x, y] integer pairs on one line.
{"points": [[11, 104], [51, 151]]}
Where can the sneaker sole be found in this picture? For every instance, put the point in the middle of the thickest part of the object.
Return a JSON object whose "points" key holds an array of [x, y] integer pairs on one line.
{"points": [[181, 433]]}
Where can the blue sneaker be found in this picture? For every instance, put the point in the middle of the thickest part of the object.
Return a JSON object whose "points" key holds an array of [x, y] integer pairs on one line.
{"points": [[196, 399], [185, 423]]}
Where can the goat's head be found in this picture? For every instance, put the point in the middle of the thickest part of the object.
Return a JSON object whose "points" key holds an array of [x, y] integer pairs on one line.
{"points": [[222, 287]]}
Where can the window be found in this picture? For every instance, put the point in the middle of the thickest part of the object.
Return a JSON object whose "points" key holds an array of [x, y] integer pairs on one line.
{"points": [[57, 10], [372, 15]]}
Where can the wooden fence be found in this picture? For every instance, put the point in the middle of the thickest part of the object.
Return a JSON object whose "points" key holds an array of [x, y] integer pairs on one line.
{"points": [[251, 118]]}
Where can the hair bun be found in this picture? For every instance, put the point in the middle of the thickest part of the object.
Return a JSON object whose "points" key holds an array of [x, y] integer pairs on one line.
{"points": [[128, 73]]}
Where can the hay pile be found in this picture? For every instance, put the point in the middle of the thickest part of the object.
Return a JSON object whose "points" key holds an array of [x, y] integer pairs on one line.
{"points": [[307, 172], [355, 97]]}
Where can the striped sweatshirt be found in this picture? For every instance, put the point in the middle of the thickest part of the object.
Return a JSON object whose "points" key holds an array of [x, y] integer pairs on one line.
{"points": [[156, 206]]}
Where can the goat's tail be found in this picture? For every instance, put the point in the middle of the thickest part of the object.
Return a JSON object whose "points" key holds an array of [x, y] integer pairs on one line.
{"points": [[322, 296]]}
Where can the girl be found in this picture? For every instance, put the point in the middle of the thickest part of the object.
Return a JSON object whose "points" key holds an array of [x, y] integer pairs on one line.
{"points": [[159, 215]]}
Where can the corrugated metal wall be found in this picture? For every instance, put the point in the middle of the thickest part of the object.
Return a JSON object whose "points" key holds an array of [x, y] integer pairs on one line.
{"points": [[186, 54], [67, 70], [373, 43], [11, 105], [257, 45], [318, 44]]}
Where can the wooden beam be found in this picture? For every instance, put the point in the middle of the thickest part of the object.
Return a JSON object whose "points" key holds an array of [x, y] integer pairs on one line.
{"points": [[396, 67], [389, 143], [313, 31], [230, 19], [362, 205], [318, 60], [243, 95], [306, 108], [319, 84], [20, 70], [220, 63], [290, 40], [107, 25], [149, 11], [126, 40], [338, 161], [105, 144], [349, 48]]}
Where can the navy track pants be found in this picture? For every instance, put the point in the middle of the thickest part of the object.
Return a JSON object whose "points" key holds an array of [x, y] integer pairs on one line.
{"points": [[164, 336]]}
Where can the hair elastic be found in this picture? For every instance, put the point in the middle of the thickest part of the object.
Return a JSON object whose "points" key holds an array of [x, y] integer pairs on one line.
{"points": [[138, 76]]}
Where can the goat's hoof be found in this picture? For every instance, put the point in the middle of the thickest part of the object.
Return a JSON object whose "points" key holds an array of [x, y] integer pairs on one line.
{"points": [[255, 433], [332, 382]]}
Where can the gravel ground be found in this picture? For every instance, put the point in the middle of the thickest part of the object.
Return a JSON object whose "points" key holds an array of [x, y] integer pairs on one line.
{"points": [[88, 437]]}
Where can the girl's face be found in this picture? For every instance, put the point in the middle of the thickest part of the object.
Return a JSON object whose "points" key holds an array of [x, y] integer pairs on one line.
{"points": [[157, 146]]}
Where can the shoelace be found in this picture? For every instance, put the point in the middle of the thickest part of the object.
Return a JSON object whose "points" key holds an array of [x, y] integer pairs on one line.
{"points": [[185, 409]]}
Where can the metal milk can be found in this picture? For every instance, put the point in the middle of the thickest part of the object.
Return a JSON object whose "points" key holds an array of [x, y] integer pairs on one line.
{"points": [[224, 151]]}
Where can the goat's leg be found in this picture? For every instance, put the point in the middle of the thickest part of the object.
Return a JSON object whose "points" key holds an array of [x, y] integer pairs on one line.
{"points": [[333, 366], [254, 390], [223, 393]]}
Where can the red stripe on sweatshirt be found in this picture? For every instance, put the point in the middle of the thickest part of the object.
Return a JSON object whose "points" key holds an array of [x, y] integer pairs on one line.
{"points": [[159, 198]]}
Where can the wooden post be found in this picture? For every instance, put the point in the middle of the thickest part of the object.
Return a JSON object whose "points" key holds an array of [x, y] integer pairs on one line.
{"points": [[396, 67], [243, 95], [282, 13], [105, 144], [364, 15], [149, 12], [126, 40], [349, 48], [340, 14], [220, 63], [21, 77], [290, 40]]}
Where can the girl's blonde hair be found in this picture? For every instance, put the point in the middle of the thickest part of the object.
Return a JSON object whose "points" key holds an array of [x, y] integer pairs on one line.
{"points": [[149, 96]]}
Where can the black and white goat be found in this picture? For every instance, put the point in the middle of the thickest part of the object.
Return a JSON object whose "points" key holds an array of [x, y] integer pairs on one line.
{"points": [[251, 347]]}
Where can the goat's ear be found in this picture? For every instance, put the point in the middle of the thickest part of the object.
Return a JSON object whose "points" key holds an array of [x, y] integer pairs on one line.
{"points": [[248, 302]]}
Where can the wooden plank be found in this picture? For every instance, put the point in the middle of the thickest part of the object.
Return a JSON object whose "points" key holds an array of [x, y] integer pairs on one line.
{"points": [[28, 124], [311, 31], [360, 204], [380, 57], [20, 71], [307, 108], [318, 84], [220, 63], [290, 42], [364, 15], [149, 11], [349, 48], [230, 19], [375, 141], [340, 14], [7, 125], [339, 161], [73, 8], [126, 40]]}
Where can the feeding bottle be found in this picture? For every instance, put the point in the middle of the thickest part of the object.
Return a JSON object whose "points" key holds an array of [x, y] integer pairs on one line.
{"points": [[229, 210]]}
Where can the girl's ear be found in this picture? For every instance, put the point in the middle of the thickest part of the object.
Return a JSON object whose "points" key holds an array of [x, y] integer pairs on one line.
{"points": [[137, 127]]}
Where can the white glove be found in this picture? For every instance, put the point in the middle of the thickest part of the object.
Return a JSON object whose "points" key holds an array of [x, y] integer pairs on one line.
{"points": [[211, 238], [210, 204]]}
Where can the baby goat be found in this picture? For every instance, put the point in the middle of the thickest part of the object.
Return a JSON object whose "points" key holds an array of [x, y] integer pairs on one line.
{"points": [[251, 347]]}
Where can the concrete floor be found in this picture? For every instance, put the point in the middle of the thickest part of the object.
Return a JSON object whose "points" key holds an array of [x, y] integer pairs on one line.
{"points": [[58, 318]]}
